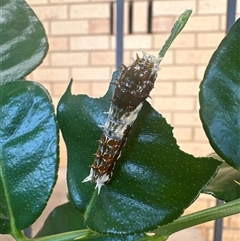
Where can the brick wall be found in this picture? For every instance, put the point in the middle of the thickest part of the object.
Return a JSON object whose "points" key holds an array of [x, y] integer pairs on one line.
{"points": [[82, 47]]}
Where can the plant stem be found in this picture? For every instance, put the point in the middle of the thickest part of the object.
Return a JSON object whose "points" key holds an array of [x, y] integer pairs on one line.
{"points": [[68, 236], [177, 28], [18, 235], [164, 231], [199, 217], [64, 236]]}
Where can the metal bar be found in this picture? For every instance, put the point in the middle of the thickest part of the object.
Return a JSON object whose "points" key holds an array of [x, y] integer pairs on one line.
{"points": [[28, 232], [218, 225], [111, 18], [119, 37], [130, 17], [149, 23], [231, 13]]}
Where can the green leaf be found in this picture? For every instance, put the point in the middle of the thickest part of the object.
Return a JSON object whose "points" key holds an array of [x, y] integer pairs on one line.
{"points": [[177, 28], [63, 218], [66, 218], [28, 153], [224, 186], [23, 43], [220, 98], [153, 181]]}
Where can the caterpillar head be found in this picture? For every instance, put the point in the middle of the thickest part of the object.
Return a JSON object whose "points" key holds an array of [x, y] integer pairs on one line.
{"points": [[136, 82]]}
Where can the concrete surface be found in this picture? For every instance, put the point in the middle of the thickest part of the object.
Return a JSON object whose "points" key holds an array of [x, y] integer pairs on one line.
{"points": [[60, 196]]}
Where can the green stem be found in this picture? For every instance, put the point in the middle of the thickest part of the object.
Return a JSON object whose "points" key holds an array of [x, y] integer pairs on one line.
{"points": [[199, 217], [164, 231], [68, 236], [177, 28], [18, 235], [64, 236]]}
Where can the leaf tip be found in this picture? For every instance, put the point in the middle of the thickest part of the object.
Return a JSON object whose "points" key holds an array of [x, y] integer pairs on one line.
{"points": [[69, 88]]}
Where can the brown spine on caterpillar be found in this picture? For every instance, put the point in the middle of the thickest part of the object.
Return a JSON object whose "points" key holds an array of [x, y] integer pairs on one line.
{"points": [[135, 82], [131, 89], [108, 152]]}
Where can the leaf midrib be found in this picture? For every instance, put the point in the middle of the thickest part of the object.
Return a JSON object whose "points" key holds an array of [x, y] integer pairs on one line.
{"points": [[7, 197]]}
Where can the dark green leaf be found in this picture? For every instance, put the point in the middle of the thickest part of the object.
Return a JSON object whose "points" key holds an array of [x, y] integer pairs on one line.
{"points": [[23, 43], [63, 218], [66, 218], [28, 153], [224, 186], [153, 181], [220, 98]]}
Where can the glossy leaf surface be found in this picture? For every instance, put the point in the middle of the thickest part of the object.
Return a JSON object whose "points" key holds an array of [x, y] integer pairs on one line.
{"points": [[28, 153], [23, 43], [220, 98], [153, 181], [225, 185], [66, 218]]}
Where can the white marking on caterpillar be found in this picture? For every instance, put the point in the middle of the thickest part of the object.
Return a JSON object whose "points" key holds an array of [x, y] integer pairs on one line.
{"points": [[115, 127]]}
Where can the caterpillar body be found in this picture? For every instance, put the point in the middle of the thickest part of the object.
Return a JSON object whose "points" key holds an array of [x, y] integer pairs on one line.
{"points": [[131, 89]]}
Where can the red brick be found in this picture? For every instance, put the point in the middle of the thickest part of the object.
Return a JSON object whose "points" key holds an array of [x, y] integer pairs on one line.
{"points": [[69, 27], [69, 59], [58, 43], [99, 26], [90, 10], [48, 12], [162, 24]]}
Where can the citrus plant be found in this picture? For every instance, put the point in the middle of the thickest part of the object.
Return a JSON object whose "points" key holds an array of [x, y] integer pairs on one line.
{"points": [[153, 181]]}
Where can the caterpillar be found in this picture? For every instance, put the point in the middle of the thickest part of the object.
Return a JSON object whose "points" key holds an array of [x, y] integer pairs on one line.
{"points": [[132, 87]]}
